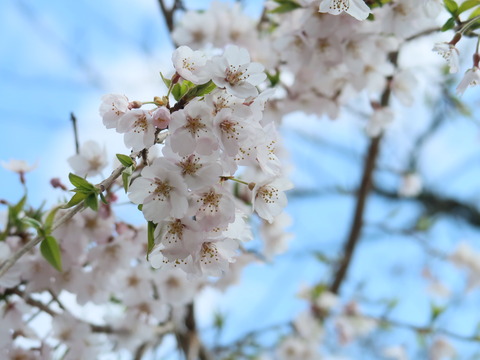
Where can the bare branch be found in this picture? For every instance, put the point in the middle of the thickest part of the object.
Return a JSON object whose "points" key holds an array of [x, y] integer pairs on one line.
{"points": [[75, 132]]}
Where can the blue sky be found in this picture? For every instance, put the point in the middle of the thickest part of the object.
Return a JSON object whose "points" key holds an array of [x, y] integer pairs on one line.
{"points": [[58, 57]]}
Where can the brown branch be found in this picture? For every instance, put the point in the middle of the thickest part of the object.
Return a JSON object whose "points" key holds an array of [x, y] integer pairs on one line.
{"points": [[357, 222], [363, 192], [168, 14], [189, 341]]}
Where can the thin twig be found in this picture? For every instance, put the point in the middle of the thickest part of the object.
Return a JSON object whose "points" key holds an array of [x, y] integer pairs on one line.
{"points": [[75, 132], [5, 266]]}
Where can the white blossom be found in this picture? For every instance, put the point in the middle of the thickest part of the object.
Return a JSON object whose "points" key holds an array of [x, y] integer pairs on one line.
{"points": [[471, 78], [191, 65], [269, 199], [235, 72], [450, 53], [356, 8], [90, 160]]}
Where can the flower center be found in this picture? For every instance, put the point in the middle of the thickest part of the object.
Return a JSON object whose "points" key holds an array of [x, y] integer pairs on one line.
{"points": [[190, 165], [194, 125]]}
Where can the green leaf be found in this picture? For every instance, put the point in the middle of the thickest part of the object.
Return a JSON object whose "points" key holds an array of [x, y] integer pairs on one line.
{"points": [[467, 5], [125, 160], [218, 320], [436, 311], [285, 6], [102, 197], [449, 24], [424, 223], [451, 6], [273, 78], [33, 223], [317, 290], [51, 252], [126, 176], [76, 199], [180, 89], [151, 237], [50, 218], [166, 81], [201, 90], [379, 3], [15, 210], [79, 182], [176, 91], [474, 13], [91, 201]]}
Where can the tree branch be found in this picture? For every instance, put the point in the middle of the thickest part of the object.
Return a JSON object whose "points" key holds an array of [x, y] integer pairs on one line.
{"points": [[7, 264], [357, 222], [365, 187]]}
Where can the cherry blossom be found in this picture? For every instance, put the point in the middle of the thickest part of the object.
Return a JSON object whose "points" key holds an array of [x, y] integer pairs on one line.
{"points": [[234, 72], [139, 129], [356, 8], [471, 78], [450, 53], [191, 65], [113, 107], [268, 197], [90, 160], [162, 193], [18, 166]]}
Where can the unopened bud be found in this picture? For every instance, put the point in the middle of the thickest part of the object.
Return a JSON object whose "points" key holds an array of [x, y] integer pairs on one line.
{"points": [[476, 59], [456, 39], [135, 104], [159, 100], [56, 183], [176, 78]]}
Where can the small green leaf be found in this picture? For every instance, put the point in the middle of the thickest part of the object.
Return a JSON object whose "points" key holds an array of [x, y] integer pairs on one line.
{"points": [[449, 24], [79, 182], [451, 6], [176, 91], [102, 197], [126, 176], [33, 223], [318, 290], [91, 201], [474, 13], [424, 223], [50, 218], [151, 238], [436, 311], [273, 78], [125, 160], [76, 199], [15, 210], [140, 207], [218, 320], [166, 81], [51, 252], [180, 89], [285, 6], [201, 90], [467, 5]]}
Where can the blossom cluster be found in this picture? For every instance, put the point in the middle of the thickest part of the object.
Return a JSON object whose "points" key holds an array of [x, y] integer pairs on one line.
{"points": [[212, 139]]}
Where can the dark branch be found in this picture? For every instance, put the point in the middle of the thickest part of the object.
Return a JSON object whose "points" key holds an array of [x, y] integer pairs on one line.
{"points": [[75, 132]]}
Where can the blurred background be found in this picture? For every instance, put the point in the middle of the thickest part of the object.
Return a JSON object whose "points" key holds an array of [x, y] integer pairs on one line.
{"points": [[58, 58]]}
